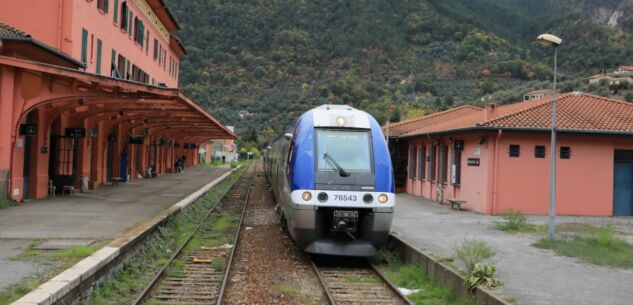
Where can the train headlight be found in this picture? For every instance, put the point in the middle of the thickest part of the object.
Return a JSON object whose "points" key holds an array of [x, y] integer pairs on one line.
{"points": [[306, 196], [382, 198], [340, 121]]}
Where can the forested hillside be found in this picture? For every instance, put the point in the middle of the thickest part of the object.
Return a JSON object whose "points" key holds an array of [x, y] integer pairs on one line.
{"points": [[395, 59]]}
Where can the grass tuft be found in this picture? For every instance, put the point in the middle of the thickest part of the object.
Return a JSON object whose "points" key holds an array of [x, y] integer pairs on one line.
{"points": [[5, 203], [513, 221], [471, 251], [603, 247]]}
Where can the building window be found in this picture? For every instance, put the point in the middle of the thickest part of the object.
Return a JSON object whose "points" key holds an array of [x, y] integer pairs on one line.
{"points": [[102, 5], [147, 42], [121, 65], [456, 164], [539, 151], [565, 152], [114, 71], [443, 163], [155, 49], [412, 162], [99, 46], [115, 12], [92, 48], [431, 169], [421, 162], [84, 46], [515, 150], [130, 21], [124, 15]]}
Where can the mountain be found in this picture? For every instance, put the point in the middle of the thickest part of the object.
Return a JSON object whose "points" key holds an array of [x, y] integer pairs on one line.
{"points": [[392, 58]]}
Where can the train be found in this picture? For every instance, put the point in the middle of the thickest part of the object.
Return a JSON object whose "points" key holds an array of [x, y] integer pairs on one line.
{"points": [[332, 178]]}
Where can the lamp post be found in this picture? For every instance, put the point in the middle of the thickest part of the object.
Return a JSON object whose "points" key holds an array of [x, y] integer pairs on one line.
{"points": [[550, 40]]}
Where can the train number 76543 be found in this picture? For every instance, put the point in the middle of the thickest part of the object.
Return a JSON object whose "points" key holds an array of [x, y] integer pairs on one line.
{"points": [[345, 197]]}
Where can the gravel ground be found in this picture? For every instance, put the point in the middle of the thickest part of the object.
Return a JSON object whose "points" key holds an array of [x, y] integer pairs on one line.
{"points": [[268, 268]]}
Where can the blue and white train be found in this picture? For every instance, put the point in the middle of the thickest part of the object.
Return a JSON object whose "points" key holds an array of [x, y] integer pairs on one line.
{"points": [[332, 177]]}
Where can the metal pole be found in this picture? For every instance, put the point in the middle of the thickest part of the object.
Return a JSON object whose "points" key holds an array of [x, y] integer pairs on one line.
{"points": [[551, 232]]}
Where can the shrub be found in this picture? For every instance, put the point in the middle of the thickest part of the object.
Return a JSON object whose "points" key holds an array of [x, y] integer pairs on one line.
{"points": [[234, 164], [472, 252], [483, 275], [512, 220]]}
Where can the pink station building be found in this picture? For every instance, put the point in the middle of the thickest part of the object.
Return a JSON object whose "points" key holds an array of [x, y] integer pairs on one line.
{"points": [[497, 158], [89, 92]]}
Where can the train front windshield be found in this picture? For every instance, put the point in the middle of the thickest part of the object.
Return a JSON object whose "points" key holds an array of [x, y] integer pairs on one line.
{"points": [[349, 149]]}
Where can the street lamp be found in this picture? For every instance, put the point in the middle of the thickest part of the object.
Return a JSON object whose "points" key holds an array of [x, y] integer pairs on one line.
{"points": [[549, 40]]}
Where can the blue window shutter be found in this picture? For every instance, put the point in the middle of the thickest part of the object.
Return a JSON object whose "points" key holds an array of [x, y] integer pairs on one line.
{"points": [[115, 11], [98, 56], [84, 45]]}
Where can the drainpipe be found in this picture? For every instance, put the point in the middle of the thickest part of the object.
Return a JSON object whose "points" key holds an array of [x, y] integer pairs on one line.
{"points": [[494, 173], [60, 32]]}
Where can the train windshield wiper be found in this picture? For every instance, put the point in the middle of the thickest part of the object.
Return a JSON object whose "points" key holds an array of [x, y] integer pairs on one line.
{"points": [[335, 164]]}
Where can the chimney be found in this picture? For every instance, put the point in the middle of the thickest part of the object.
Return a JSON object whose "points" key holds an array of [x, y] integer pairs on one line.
{"points": [[489, 111]]}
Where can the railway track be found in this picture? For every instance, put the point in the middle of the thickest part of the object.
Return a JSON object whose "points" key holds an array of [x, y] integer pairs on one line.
{"points": [[348, 281], [197, 271]]}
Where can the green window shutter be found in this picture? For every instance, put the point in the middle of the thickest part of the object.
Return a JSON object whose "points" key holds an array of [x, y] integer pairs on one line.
{"points": [[106, 6], [84, 45], [147, 43], [115, 10], [98, 56], [130, 25]]}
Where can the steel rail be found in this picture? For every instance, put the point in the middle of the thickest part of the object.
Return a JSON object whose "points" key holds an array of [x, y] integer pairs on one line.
{"points": [[373, 268], [143, 295], [236, 241]]}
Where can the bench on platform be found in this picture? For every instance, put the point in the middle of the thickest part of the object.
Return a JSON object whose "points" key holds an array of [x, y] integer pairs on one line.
{"points": [[456, 202], [68, 188], [116, 180]]}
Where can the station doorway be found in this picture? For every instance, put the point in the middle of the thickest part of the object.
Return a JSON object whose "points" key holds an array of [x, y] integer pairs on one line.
{"points": [[623, 183]]}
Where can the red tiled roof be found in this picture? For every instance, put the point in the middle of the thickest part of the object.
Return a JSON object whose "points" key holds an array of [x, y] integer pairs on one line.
{"points": [[576, 112], [400, 128], [9, 31], [627, 68]]}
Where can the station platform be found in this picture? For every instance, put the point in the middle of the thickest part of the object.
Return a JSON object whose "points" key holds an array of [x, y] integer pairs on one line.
{"points": [[104, 213], [529, 275]]}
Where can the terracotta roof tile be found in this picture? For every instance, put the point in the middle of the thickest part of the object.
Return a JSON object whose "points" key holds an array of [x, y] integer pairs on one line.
{"points": [[9, 31], [576, 112], [406, 126]]}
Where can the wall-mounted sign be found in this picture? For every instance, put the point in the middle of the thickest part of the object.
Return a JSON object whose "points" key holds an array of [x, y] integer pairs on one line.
{"points": [[473, 162], [75, 133], [459, 144], [28, 129], [44, 149], [93, 133], [136, 139]]}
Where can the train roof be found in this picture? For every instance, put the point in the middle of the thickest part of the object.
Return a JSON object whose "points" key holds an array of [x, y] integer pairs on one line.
{"points": [[340, 116]]}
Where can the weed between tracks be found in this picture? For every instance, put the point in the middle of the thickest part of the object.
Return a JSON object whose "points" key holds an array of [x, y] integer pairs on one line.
{"points": [[414, 278], [125, 286]]}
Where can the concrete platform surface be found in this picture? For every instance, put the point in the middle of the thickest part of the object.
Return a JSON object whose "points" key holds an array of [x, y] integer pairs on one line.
{"points": [[530, 275], [104, 213]]}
